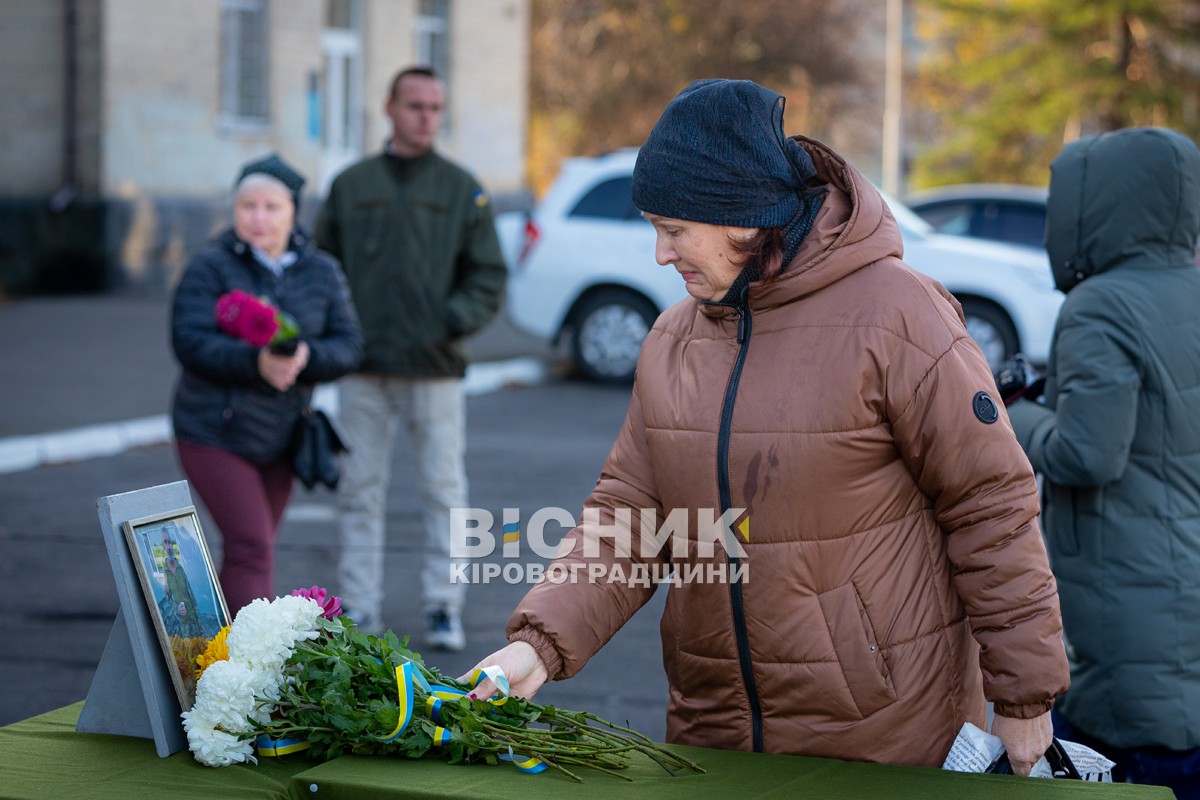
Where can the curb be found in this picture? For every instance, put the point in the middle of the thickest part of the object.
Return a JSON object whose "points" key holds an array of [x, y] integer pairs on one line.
{"points": [[19, 453]]}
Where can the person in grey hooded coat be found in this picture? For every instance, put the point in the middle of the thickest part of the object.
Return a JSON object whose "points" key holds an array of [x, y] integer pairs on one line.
{"points": [[1117, 441]]}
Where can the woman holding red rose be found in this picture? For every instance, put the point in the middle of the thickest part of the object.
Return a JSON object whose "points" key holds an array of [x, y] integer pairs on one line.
{"points": [[246, 377]]}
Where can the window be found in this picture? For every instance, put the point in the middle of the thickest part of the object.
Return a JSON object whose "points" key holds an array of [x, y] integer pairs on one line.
{"points": [[341, 45], [244, 89], [1011, 222], [433, 35], [953, 218], [433, 43], [342, 14], [339, 117], [611, 199]]}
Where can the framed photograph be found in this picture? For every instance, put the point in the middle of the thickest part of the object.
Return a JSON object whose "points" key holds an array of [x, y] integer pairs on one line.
{"points": [[181, 589]]}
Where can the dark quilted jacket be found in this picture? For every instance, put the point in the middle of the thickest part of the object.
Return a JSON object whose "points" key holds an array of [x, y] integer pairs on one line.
{"points": [[221, 400], [1118, 439]]}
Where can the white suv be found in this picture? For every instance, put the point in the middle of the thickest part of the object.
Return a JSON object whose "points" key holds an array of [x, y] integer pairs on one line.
{"points": [[583, 268]]}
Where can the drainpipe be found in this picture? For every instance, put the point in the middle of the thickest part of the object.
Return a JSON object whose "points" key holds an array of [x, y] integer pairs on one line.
{"points": [[69, 189]]}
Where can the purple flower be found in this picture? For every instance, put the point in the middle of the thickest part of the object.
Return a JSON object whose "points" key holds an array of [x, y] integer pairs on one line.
{"points": [[331, 604]]}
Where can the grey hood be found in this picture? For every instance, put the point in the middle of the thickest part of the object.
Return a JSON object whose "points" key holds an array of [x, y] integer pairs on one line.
{"points": [[1131, 197]]}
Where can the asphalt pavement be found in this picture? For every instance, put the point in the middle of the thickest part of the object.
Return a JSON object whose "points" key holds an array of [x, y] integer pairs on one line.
{"points": [[85, 384]]}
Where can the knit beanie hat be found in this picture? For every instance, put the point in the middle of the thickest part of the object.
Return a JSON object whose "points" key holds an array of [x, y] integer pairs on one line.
{"points": [[719, 155], [278, 169]]}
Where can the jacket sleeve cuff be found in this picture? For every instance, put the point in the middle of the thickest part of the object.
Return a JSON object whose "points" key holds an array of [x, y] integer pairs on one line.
{"points": [[1023, 710], [544, 647]]}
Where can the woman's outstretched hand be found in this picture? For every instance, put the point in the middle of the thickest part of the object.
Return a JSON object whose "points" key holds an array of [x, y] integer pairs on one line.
{"points": [[522, 666]]}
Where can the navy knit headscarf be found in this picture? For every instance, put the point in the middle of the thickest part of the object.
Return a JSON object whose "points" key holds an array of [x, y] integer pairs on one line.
{"points": [[278, 169], [719, 155]]}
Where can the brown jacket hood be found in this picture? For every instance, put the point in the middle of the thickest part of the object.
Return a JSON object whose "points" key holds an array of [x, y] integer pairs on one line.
{"points": [[889, 525]]}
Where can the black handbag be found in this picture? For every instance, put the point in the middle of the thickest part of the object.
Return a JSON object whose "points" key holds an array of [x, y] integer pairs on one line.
{"points": [[1060, 763], [314, 449]]}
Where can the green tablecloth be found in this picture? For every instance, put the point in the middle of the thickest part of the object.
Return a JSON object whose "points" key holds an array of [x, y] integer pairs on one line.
{"points": [[44, 757]]}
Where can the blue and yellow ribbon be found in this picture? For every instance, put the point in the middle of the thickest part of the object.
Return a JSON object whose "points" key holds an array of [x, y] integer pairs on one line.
{"points": [[433, 708], [266, 746], [419, 680], [498, 678], [404, 700], [445, 692], [526, 764]]}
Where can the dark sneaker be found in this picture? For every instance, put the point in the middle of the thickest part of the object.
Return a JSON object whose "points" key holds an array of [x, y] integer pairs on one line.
{"points": [[445, 631]]}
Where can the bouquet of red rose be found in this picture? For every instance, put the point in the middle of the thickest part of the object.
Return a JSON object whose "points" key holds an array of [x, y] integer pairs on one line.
{"points": [[257, 322]]}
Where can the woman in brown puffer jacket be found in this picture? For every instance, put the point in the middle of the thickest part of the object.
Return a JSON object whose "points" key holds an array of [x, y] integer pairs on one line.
{"points": [[885, 573]]}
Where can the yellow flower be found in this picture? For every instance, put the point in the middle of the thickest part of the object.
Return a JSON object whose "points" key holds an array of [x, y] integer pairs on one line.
{"points": [[217, 650]]}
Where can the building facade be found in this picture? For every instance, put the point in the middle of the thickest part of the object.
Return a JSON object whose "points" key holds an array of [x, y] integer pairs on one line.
{"points": [[123, 122]]}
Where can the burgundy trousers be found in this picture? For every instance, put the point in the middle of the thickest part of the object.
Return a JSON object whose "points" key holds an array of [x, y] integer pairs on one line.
{"points": [[247, 503]]}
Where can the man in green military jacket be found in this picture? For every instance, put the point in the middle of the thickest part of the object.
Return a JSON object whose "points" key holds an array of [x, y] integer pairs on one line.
{"points": [[179, 595], [416, 237], [1117, 441]]}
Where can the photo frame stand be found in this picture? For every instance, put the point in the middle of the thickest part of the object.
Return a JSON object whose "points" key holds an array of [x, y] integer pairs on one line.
{"points": [[131, 692]]}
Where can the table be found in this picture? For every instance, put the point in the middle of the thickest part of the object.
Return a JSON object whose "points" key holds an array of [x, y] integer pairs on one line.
{"points": [[44, 757]]}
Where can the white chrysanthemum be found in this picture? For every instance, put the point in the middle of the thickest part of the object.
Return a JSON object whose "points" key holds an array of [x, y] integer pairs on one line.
{"points": [[234, 696], [225, 698], [213, 747], [227, 693], [265, 632]]}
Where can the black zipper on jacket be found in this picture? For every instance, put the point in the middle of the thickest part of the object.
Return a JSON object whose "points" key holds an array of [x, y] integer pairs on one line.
{"points": [[726, 498]]}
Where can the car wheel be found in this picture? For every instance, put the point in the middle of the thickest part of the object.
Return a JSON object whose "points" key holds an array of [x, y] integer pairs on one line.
{"points": [[607, 332], [992, 330]]}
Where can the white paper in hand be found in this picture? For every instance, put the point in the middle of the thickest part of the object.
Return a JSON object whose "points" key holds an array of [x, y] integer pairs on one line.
{"points": [[974, 750]]}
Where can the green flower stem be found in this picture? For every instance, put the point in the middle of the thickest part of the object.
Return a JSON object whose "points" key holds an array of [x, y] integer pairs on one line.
{"points": [[647, 744], [563, 770], [544, 744], [274, 731], [614, 772], [598, 756]]}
